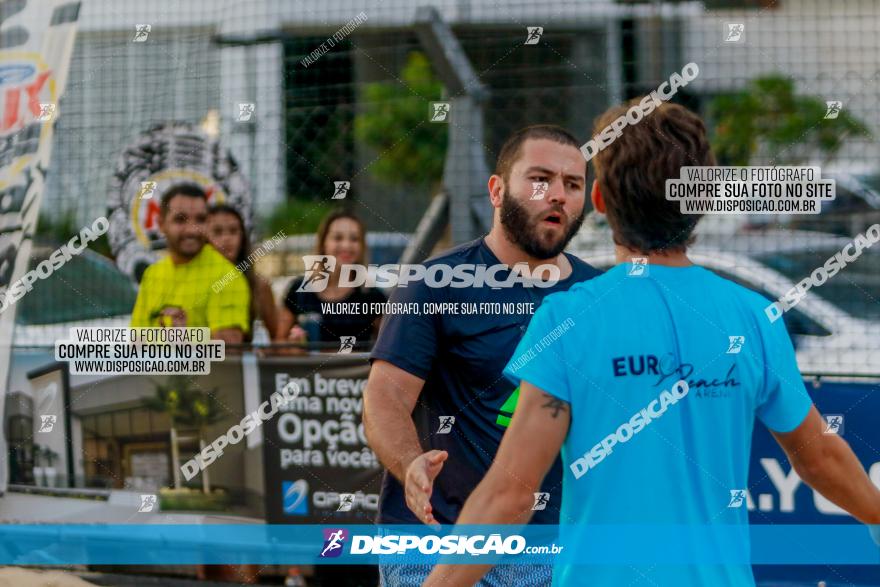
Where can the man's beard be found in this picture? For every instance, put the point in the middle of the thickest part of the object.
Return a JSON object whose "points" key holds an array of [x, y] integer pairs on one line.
{"points": [[525, 232], [177, 248]]}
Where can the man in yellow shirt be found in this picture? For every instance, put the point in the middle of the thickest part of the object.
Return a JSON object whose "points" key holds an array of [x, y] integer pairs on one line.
{"points": [[177, 290]]}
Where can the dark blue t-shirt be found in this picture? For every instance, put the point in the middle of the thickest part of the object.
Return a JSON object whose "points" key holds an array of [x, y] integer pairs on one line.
{"points": [[461, 356]]}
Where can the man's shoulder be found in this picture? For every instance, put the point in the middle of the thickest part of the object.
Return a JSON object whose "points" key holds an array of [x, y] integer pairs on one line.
{"points": [[598, 281], [581, 268], [465, 252], [748, 296], [212, 262], [158, 269]]}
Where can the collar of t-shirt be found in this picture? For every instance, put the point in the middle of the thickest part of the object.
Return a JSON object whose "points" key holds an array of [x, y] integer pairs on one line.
{"points": [[495, 260]]}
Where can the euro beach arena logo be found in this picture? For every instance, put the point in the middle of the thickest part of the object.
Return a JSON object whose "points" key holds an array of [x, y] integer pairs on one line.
{"points": [[319, 268], [635, 114], [56, 260]]}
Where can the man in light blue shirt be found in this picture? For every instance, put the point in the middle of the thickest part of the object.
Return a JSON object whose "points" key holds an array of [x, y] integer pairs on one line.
{"points": [[649, 378]]}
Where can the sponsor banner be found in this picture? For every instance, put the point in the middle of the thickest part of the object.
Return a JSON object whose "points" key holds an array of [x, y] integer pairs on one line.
{"points": [[36, 42], [314, 544], [776, 495], [170, 154], [318, 467]]}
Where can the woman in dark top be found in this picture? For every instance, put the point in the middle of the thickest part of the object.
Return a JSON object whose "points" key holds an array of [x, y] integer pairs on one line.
{"points": [[301, 317]]}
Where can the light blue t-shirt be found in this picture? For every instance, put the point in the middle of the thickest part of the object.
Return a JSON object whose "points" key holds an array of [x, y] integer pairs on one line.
{"points": [[641, 451]]}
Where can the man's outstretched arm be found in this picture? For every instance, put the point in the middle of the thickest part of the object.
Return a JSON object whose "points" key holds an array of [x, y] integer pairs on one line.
{"points": [[827, 464], [389, 399], [506, 494]]}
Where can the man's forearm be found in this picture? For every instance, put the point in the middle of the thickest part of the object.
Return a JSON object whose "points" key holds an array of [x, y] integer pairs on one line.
{"points": [[228, 335], [496, 502], [393, 437], [490, 503], [838, 475]]}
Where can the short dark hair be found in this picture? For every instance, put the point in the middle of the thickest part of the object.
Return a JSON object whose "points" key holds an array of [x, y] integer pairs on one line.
{"points": [[632, 173], [182, 189], [512, 147]]}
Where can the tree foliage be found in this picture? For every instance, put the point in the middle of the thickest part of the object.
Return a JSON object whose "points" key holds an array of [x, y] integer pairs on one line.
{"points": [[768, 118], [395, 123]]}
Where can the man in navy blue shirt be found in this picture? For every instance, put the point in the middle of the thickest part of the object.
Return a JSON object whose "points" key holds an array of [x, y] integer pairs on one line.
{"points": [[436, 404], [650, 379]]}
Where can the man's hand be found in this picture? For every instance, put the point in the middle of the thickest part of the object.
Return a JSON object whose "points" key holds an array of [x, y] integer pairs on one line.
{"points": [[506, 493], [228, 335], [419, 484], [297, 334], [172, 316]]}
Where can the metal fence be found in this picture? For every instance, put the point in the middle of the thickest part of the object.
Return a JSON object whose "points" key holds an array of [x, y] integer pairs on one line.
{"points": [[304, 95]]}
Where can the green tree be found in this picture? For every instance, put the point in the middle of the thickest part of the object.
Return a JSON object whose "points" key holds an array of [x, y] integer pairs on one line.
{"points": [[394, 123], [172, 398], [767, 115], [56, 228], [203, 410]]}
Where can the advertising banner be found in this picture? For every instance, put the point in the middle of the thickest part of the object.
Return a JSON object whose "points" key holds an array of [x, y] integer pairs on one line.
{"points": [[36, 43], [318, 467]]}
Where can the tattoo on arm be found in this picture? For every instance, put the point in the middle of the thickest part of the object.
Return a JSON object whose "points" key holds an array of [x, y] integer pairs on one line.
{"points": [[555, 404]]}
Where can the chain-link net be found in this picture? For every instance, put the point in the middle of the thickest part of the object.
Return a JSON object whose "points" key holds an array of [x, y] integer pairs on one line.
{"points": [[297, 107]]}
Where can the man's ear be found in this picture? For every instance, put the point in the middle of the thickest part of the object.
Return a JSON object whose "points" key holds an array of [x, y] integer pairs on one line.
{"points": [[496, 187], [596, 198]]}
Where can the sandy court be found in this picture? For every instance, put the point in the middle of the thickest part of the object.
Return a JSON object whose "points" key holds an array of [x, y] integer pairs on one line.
{"points": [[14, 577]]}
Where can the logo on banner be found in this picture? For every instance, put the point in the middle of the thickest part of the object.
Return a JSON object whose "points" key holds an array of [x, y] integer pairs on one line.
{"points": [[294, 500], [166, 156], [346, 501], [333, 541], [47, 112], [28, 96], [36, 41], [148, 188]]}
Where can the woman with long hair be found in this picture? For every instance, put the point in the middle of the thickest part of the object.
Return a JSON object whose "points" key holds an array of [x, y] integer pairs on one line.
{"points": [[226, 233], [301, 317]]}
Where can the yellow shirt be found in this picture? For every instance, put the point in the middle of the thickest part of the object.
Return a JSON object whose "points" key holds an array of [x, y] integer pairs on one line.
{"points": [[202, 287]]}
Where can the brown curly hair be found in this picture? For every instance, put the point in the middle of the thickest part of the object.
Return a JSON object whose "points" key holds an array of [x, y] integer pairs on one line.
{"points": [[632, 173]]}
